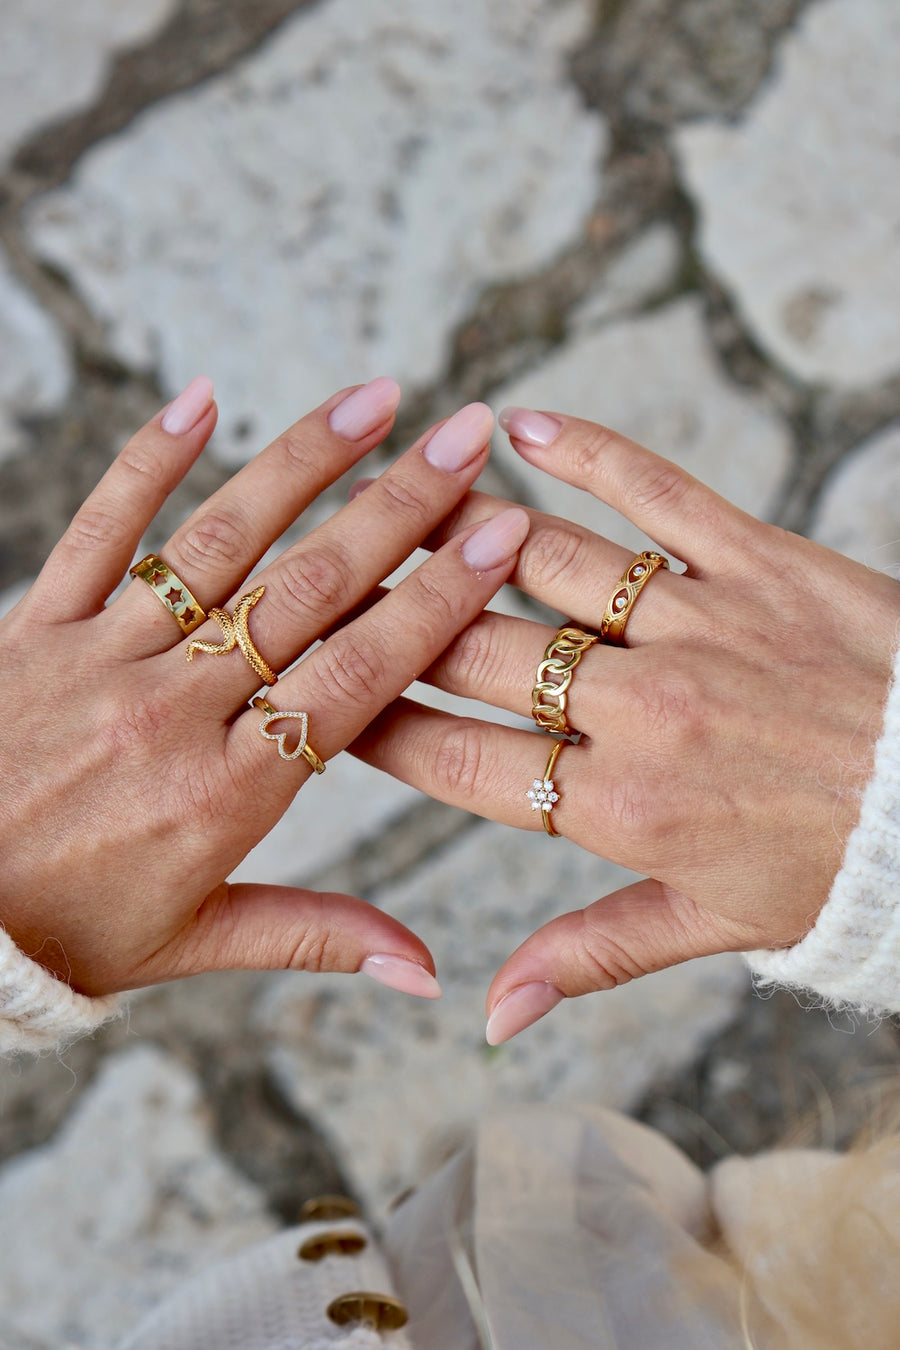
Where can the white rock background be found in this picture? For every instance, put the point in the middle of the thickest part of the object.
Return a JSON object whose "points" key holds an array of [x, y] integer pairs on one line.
{"points": [[344, 200]]}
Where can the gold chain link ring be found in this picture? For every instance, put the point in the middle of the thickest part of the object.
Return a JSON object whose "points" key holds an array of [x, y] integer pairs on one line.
{"points": [[549, 697], [628, 588]]}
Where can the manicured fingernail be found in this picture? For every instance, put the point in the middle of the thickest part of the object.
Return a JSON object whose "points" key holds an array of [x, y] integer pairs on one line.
{"points": [[366, 409], [359, 487], [520, 1009], [497, 540], [398, 973], [184, 412], [457, 442], [523, 424]]}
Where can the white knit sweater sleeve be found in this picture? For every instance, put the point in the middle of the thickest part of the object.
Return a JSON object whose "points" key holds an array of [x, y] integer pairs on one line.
{"points": [[40, 1012], [851, 956]]}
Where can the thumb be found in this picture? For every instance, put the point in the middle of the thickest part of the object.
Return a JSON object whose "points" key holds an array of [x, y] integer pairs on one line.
{"points": [[642, 928], [261, 927]]}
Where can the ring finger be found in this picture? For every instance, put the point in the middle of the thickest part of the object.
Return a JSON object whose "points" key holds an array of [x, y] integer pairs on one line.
{"points": [[318, 581]]}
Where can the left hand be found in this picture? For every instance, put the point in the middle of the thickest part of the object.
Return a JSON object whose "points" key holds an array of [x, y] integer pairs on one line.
{"points": [[724, 749]]}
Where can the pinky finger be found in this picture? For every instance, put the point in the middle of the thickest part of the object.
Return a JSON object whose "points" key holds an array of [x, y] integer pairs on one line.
{"points": [[91, 558]]}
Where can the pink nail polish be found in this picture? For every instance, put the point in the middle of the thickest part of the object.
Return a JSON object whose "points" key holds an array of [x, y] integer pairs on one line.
{"points": [[497, 540], [184, 412], [398, 973], [457, 442], [523, 424], [520, 1009], [366, 409], [359, 487]]}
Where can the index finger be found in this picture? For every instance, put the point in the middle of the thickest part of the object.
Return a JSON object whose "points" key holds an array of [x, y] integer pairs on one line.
{"points": [[683, 515]]}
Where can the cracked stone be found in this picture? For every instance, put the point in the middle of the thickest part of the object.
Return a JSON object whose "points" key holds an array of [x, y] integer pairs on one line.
{"points": [[390, 1077], [127, 1201], [800, 201], [859, 510], [655, 379], [341, 198], [54, 58], [35, 368]]}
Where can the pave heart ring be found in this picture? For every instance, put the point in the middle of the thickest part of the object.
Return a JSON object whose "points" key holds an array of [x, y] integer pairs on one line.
{"points": [[303, 747]]}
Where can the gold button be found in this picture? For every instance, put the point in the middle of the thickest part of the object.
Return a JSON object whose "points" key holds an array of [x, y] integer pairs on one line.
{"points": [[329, 1207], [333, 1243], [376, 1310]]}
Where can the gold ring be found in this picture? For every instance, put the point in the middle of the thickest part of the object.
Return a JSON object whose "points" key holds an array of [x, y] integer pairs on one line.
{"points": [[237, 634], [542, 793], [304, 748], [549, 697], [171, 590], [628, 588]]}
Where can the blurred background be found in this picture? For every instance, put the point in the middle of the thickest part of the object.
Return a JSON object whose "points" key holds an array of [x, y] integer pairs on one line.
{"points": [[678, 217]]}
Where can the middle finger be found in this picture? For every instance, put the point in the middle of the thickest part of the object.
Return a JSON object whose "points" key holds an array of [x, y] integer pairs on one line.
{"points": [[322, 578]]}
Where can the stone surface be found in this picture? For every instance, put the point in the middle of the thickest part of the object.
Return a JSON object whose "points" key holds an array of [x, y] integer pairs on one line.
{"points": [[128, 1200], [53, 57], [35, 368], [389, 1077], [800, 202], [652, 63], [859, 510], [341, 198], [646, 267], [655, 379]]}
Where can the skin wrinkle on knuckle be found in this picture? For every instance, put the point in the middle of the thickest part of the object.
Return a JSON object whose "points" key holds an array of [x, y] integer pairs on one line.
{"points": [[298, 452], [315, 582], [456, 762], [98, 527], [658, 488], [404, 499], [604, 961], [351, 670], [588, 453], [471, 659], [552, 554], [217, 538]]}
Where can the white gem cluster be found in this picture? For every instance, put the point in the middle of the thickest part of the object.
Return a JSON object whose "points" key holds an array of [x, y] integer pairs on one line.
{"points": [[541, 794]]}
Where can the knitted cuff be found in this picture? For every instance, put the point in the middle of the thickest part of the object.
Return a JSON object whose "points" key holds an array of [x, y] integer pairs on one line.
{"points": [[40, 1012], [851, 957]]}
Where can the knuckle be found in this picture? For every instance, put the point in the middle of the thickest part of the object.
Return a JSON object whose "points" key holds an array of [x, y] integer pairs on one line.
{"points": [[669, 704], [404, 498], [472, 656], [218, 537], [312, 949], [294, 446], [351, 670], [98, 527], [656, 487], [551, 554], [589, 449], [605, 963], [457, 762], [139, 459], [434, 598], [315, 582]]}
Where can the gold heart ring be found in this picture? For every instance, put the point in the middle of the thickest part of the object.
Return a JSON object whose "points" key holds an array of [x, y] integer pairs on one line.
{"points": [[304, 748]]}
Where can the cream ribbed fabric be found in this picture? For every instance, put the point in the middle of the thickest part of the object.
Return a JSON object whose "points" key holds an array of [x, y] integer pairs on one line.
{"points": [[851, 956], [267, 1298], [39, 1012]]}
